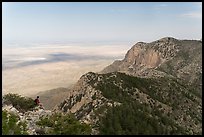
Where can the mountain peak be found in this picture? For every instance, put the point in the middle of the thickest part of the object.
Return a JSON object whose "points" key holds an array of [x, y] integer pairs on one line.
{"points": [[158, 57]]}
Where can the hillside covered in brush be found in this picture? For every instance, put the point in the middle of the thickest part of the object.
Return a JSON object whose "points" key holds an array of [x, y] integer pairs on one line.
{"points": [[116, 103]]}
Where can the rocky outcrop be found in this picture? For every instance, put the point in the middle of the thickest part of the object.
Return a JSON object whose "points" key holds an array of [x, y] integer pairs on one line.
{"points": [[143, 56], [30, 118]]}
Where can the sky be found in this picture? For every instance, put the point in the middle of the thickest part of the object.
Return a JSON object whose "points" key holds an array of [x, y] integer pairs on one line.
{"points": [[99, 22]]}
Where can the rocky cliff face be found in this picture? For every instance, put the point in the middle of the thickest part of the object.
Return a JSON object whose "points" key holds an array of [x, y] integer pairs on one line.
{"points": [[143, 56], [180, 58]]}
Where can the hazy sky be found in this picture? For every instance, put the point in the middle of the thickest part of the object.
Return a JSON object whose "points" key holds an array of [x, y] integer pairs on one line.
{"points": [[97, 22]]}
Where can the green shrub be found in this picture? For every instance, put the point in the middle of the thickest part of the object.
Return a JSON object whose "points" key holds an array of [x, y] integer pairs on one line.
{"points": [[134, 119], [94, 97], [64, 125], [19, 102], [10, 126]]}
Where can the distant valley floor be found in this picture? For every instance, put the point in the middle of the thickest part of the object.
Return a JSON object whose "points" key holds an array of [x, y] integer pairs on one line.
{"points": [[29, 80]]}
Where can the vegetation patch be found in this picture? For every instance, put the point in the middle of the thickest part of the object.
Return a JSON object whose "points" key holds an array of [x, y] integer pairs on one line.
{"points": [[10, 125], [20, 103], [67, 124]]}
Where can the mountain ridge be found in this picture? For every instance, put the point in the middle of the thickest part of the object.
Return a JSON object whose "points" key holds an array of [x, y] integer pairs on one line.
{"points": [[96, 95]]}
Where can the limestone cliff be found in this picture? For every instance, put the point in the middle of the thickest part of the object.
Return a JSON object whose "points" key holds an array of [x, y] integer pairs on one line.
{"points": [[164, 56]]}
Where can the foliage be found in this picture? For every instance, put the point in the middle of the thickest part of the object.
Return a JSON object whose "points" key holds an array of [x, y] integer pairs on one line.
{"points": [[165, 90], [132, 117], [10, 126], [64, 125], [19, 102]]}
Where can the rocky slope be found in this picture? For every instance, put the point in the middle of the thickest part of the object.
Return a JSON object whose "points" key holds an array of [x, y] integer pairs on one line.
{"points": [[162, 77], [84, 100], [20, 117], [29, 117]]}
